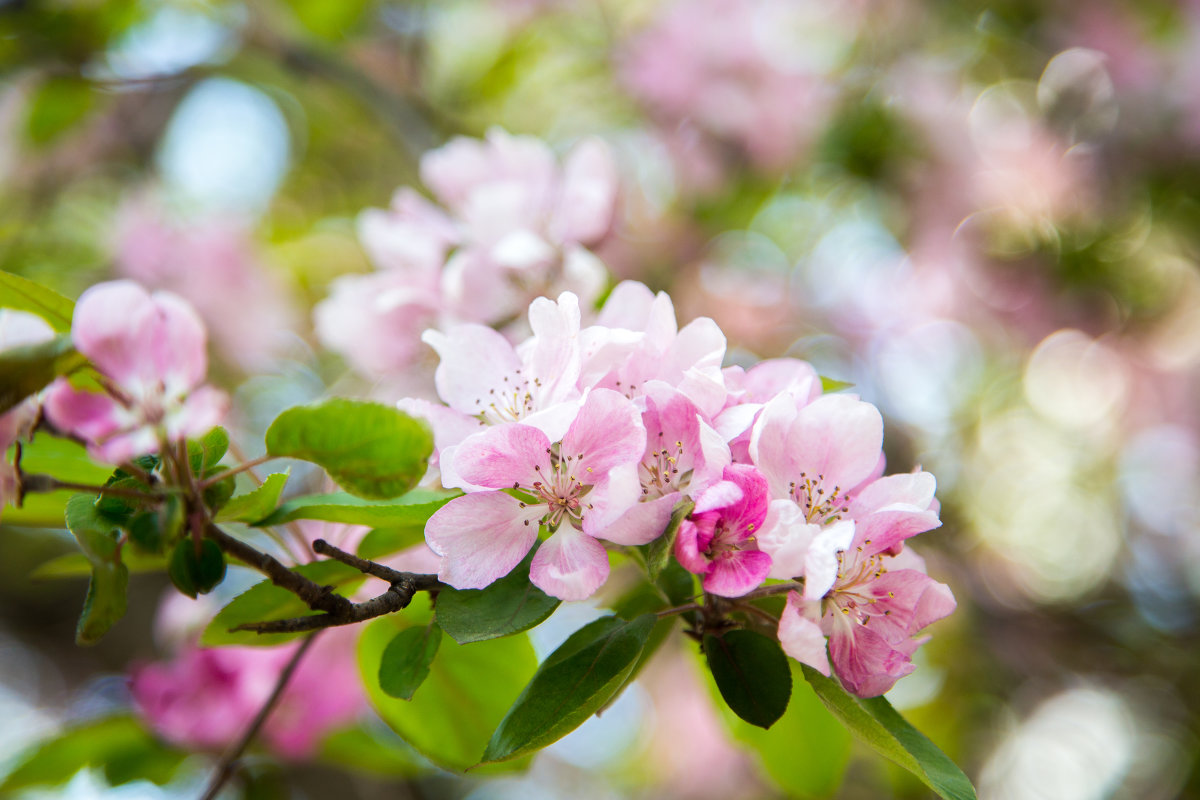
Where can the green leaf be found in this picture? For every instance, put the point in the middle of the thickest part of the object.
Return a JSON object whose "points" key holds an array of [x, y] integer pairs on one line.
{"points": [[256, 504], [468, 689], [105, 602], [66, 461], [219, 493], [95, 533], [26, 370], [874, 722], [658, 552], [150, 531], [807, 727], [509, 605], [412, 509], [382, 542], [265, 601], [379, 752], [23, 294], [76, 565], [113, 740], [207, 451], [196, 573], [833, 385], [752, 674], [58, 104], [369, 449], [405, 661], [571, 685]]}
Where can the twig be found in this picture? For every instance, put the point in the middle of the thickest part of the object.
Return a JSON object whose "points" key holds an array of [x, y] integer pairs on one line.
{"points": [[48, 483], [225, 767], [384, 573], [779, 588], [320, 598], [666, 612], [229, 473]]}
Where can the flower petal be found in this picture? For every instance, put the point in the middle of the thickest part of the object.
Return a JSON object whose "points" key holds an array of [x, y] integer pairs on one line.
{"points": [[481, 537], [801, 636], [737, 573], [504, 456], [570, 565]]}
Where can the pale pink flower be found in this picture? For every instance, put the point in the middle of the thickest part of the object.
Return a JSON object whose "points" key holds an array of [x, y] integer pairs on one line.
{"points": [[482, 535], [636, 340], [151, 351], [750, 390], [683, 456], [717, 539]]}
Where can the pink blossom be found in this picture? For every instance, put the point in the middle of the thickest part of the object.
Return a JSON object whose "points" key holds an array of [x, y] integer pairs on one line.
{"points": [[871, 615], [717, 540], [151, 351], [484, 534], [206, 698], [213, 264]]}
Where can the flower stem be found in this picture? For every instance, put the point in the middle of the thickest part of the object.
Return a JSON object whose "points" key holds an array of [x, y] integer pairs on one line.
{"points": [[220, 476]]}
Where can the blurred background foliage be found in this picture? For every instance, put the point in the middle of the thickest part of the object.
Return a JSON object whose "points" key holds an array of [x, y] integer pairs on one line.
{"points": [[984, 215]]}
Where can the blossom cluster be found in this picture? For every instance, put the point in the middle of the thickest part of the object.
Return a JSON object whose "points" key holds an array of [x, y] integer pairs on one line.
{"points": [[513, 224], [596, 433]]}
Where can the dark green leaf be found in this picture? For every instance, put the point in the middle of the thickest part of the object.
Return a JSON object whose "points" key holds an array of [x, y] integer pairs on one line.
{"points": [[412, 509], [510, 605], [207, 451], [370, 450], [219, 493], [752, 674], [874, 722], [405, 661], [465, 696], [121, 739], [194, 572], [658, 552], [571, 685], [254, 505], [807, 727], [145, 532], [105, 602], [26, 370], [266, 601], [23, 294], [382, 542]]}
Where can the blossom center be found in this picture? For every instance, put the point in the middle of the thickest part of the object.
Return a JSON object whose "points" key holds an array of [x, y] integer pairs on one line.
{"points": [[561, 491], [659, 470], [512, 401], [820, 507]]}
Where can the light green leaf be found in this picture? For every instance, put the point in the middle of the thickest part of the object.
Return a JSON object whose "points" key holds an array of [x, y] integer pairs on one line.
{"points": [[379, 752], [468, 689], [370, 450], [412, 509], [833, 385], [95, 533], [58, 104], [76, 565], [255, 504], [382, 542], [509, 605], [23, 294], [207, 451], [874, 722], [405, 661], [574, 682], [265, 601], [117, 740]]}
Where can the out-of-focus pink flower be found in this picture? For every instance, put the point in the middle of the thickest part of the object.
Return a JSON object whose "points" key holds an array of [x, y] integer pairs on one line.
{"points": [[717, 539], [211, 263], [484, 534], [151, 350], [17, 329], [206, 698], [745, 71]]}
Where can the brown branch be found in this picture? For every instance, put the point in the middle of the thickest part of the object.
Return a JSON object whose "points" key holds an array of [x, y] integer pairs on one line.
{"points": [[380, 571], [319, 598], [229, 759]]}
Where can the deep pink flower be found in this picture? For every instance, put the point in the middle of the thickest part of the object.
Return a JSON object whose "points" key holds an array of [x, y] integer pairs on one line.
{"points": [[484, 534], [206, 698], [151, 350], [717, 540]]}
